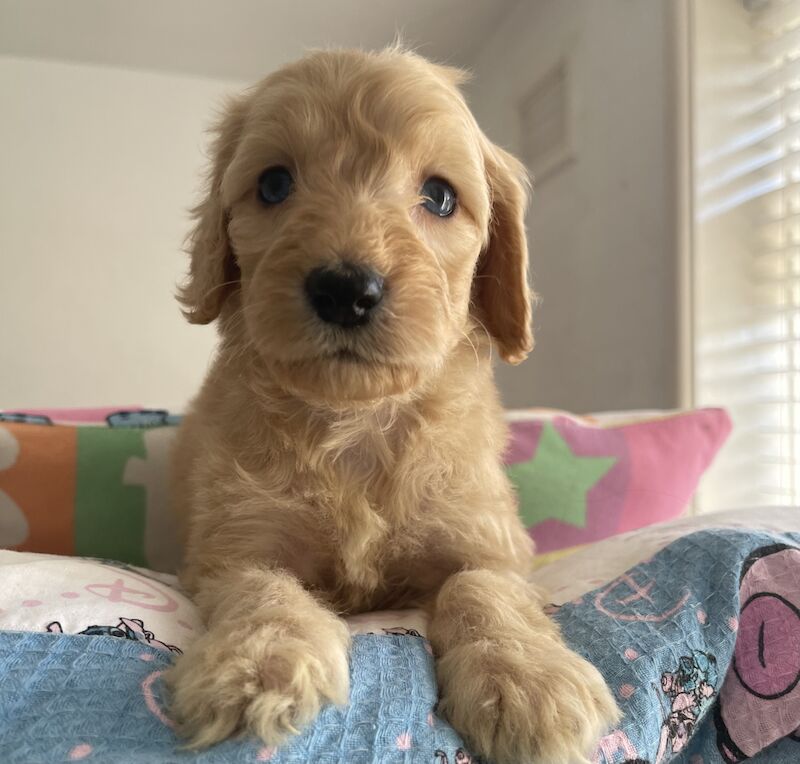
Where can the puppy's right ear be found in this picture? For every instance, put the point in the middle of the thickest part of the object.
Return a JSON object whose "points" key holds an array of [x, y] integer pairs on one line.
{"points": [[502, 293], [213, 271]]}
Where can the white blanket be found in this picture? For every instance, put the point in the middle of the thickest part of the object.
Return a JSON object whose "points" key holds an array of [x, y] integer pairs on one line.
{"points": [[46, 592]]}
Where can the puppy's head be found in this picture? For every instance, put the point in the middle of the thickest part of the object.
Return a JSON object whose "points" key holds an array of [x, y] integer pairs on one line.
{"points": [[358, 226]]}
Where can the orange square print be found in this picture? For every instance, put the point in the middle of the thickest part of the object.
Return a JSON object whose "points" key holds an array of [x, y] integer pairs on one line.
{"points": [[37, 487]]}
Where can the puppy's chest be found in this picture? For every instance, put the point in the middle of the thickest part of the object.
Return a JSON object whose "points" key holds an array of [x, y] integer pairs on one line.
{"points": [[367, 519], [359, 500]]}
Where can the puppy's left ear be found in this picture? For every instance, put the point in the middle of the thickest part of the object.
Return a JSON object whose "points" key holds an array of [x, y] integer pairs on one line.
{"points": [[213, 270], [501, 293]]}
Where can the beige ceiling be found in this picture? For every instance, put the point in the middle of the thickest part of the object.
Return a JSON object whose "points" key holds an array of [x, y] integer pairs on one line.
{"points": [[236, 39]]}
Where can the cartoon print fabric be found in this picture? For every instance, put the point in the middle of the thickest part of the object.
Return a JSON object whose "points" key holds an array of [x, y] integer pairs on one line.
{"points": [[688, 689], [68, 595], [79, 596], [127, 628], [700, 643], [760, 700]]}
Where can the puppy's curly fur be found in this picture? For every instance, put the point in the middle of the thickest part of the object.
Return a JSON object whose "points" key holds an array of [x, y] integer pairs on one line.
{"points": [[324, 470]]}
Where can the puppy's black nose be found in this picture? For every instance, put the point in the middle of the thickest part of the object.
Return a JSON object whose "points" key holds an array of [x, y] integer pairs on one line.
{"points": [[344, 296]]}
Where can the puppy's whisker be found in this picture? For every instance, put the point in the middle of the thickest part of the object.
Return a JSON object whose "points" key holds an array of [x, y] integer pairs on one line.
{"points": [[488, 337], [216, 287], [474, 349]]}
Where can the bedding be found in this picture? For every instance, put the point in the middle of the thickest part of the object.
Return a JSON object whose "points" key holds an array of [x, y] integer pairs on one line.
{"points": [[94, 482], [695, 624]]}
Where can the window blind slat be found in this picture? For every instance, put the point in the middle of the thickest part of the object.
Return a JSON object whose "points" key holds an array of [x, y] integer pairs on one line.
{"points": [[747, 213], [778, 15], [781, 45], [780, 76]]}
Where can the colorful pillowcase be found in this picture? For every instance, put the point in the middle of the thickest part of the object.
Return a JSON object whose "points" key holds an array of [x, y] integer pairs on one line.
{"points": [[95, 482], [582, 479], [92, 483]]}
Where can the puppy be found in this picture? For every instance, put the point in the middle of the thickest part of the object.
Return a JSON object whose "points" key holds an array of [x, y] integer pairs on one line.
{"points": [[362, 247]]}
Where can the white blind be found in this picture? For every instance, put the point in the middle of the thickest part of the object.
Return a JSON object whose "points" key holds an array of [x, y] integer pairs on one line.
{"points": [[747, 247]]}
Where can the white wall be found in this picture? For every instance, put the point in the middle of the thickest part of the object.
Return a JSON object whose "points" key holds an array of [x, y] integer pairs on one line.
{"points": [[101, 163], [602, 230], [235, 39], [99, 166]]}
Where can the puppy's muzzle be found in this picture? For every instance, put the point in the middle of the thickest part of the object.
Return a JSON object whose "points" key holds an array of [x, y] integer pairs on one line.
{"points": [[346, 296]]}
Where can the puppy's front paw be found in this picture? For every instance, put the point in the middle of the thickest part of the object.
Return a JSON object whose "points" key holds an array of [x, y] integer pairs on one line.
{"points": [[519, 705], [255, 680]]}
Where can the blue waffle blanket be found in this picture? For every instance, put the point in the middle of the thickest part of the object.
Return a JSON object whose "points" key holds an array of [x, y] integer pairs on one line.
{"points": [[700, 644]]}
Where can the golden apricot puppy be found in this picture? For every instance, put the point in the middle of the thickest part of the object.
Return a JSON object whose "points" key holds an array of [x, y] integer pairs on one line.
{"points": [[362, 247]]}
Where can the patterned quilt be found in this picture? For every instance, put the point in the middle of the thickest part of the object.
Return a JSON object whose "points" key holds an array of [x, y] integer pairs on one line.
{"points": [[699, 639]]}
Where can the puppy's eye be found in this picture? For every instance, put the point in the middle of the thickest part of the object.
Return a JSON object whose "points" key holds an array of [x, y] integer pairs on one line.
{"points": [[439, 197], [274, 185]]}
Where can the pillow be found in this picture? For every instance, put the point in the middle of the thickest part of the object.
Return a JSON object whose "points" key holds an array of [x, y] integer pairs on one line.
{"points": [[94, 482], [582, 479], [97, 488]]}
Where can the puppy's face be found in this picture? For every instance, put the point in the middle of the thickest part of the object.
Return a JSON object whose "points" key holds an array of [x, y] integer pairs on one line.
{"points": [[366, 224]]}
